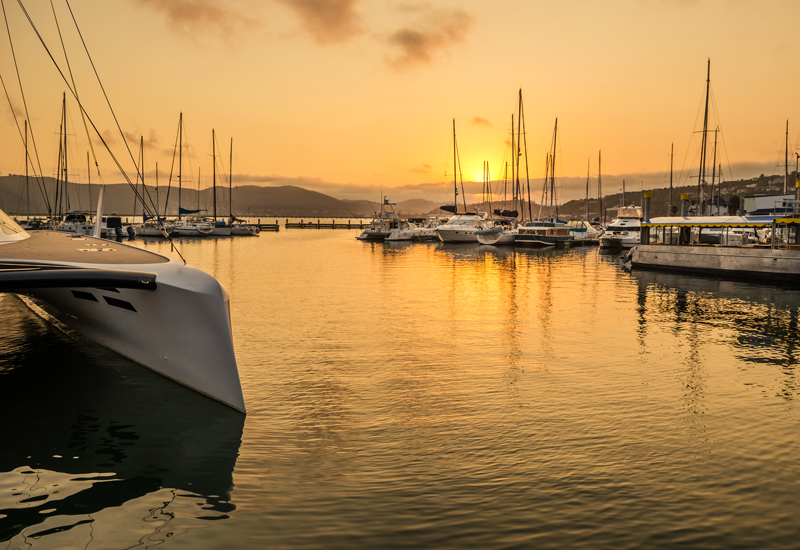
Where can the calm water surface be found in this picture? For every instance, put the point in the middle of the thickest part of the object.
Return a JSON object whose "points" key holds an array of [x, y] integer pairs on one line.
{"points": [[419, 396]]}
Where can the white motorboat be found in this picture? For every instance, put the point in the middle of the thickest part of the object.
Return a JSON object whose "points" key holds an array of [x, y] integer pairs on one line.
{"points": [[625, 230], [582, 230], [83, 224], [408, 231], [497, 235], [380, 227], [405, 231], [461, 227], [129, 300]]}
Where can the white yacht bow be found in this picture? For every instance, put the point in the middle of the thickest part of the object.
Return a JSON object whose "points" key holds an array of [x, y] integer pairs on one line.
{"points": [[161, 313]]}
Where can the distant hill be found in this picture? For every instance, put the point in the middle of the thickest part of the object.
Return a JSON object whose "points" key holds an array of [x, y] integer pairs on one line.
{"points": [[248, 200], [291, 201]]}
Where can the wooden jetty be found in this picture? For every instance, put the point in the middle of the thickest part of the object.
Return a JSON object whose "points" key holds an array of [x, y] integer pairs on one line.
{"points": [[268, 226], [319, 225]]}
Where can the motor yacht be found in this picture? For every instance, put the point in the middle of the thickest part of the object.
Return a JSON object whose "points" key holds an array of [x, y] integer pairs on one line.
{"points": [[543, 233], [625, 230], [461, 227]]}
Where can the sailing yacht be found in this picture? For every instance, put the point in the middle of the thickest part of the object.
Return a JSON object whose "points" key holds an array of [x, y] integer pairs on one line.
{"points": [[506, 233], [238, 226], [172, 318], [461, 227], [551, 231]]}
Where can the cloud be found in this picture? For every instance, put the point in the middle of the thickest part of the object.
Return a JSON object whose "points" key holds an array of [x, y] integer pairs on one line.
{"points": [[433, 30], [327, 20], [424, 169], [478, 121], [193, 17]]}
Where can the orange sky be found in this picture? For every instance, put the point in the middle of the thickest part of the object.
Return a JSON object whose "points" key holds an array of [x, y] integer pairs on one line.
{"points": [[351, 97]]}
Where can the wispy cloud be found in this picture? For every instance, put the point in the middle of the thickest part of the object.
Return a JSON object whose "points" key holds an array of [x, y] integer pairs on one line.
{"points": [[478, 121], [191, 17], [424, 169], [328, 21], [433, 30]]}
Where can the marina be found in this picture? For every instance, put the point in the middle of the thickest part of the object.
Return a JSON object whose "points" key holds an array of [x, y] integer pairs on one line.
{"points": [[675, 432], [528, 341]]}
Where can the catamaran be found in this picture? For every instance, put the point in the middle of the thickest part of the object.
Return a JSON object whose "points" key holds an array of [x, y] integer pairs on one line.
{"points": [[157, 311]]}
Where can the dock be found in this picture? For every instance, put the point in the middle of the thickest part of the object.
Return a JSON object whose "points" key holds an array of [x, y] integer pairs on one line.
{"points": [[320, 225], [268, 226]]}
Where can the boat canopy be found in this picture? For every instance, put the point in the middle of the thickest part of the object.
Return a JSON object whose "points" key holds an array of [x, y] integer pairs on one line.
{"points": [[711, 221], [507, 213]]}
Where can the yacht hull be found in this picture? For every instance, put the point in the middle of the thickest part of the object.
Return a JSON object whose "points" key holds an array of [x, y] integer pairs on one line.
{"points": [[461, 235], [731, 261], [179, 327]]}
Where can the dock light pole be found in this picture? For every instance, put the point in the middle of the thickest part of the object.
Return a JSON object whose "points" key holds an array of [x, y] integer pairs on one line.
{"points": [[684, 205]]}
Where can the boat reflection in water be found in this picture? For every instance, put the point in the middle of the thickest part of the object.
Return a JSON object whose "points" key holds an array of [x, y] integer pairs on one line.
{"points": [[757, 321], [99, 451]]}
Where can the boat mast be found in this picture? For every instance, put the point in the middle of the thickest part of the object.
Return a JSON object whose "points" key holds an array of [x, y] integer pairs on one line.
{"points": [[455, 173], [587, 189], [713, 171], [600, 186], [524, 140], [702, 175], [786, 161], [514, 167], [27, 181], [213, 171], [89, 179], [66, 190], [553, 172], [518, 151], [671, 152], [180, 160], [230, 184], [623, 193], [139, 172]]}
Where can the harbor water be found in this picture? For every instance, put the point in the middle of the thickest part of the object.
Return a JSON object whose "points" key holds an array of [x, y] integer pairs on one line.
{"points": [[419, 395]]}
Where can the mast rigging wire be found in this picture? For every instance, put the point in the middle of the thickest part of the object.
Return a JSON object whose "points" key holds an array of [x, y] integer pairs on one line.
{"points": [[39, 178], [89, 118]]}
